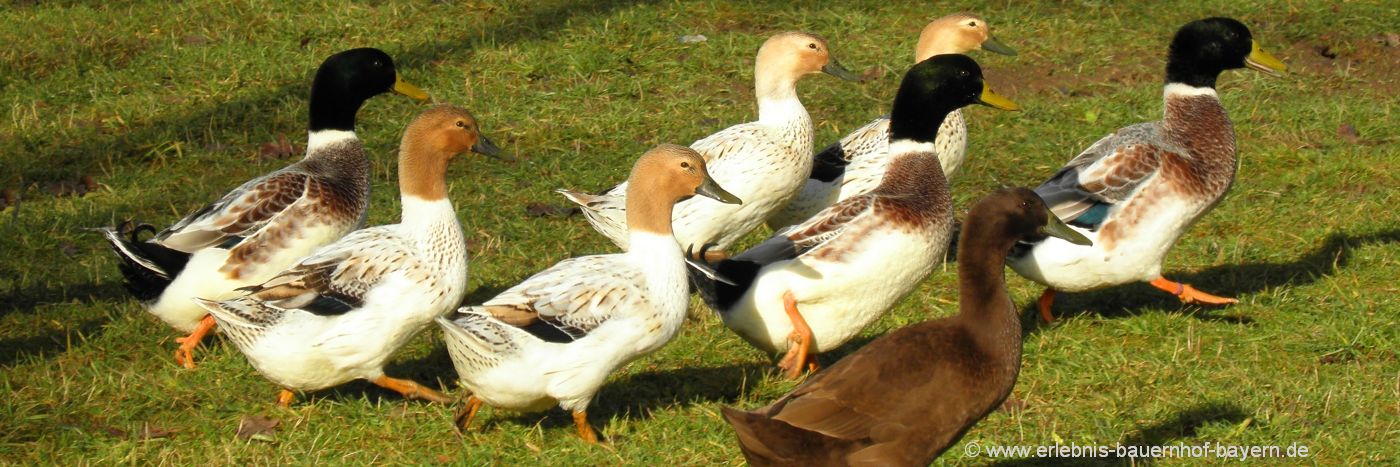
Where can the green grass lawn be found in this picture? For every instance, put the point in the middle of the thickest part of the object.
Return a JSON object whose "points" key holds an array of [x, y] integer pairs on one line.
{"points": [[164, 107]]}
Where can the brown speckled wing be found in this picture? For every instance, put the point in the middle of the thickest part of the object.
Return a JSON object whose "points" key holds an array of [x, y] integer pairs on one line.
{"points": [[336, 279], [829, 223], [576, 295], [1107, 172], [239, 213]]}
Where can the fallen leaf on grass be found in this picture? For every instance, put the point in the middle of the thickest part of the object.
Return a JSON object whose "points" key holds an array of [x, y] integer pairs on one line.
{"points": [[277, 149], [872, 73], [154, 432], [259, 428], [547, 210], [1348, 133]]}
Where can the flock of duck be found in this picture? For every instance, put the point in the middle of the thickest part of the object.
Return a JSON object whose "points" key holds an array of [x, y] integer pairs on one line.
{"points": [[281, 267]]}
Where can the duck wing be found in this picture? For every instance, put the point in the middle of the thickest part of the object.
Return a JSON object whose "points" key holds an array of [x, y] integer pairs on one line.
{"points": [[573, 297], [239, 213], [1105, 174], [334, 280]]}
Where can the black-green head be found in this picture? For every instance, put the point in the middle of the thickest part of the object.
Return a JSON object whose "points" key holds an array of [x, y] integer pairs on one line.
{"points": [[1202, 49], [346, 80], [935, 87]]}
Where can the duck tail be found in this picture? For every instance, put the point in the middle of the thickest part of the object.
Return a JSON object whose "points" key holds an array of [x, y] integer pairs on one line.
{"points": [[147, 266], [475, 339]]}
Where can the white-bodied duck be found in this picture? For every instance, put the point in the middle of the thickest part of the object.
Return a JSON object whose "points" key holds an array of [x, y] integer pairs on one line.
{"points": [[813, 286], [1135, 192], [270, 222], [339, 314], [764, 162], [855, 164], [554, 338]]}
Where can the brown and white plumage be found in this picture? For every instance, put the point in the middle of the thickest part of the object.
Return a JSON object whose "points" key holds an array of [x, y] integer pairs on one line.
{"points": [[1136, 191], [555, 337], [765, 161], [813, 286], [906, 397], [855, 164], [340, 313], [267, 223]]}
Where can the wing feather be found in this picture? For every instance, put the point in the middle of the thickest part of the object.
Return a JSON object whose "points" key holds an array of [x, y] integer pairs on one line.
{"points": [[241, 212]]}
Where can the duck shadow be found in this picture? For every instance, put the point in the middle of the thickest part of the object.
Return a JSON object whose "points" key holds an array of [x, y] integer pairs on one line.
{"points": [[51, 341], [1229, 280], [203, 125], [1182, 425], [637, 396]]}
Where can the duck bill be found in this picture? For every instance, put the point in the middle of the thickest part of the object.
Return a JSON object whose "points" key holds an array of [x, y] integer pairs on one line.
{"points": [[992, 99], [712, 190], [407, 89], [995, 46], [485, 147], [834, 68], [1057, 228], [1260, 60]]}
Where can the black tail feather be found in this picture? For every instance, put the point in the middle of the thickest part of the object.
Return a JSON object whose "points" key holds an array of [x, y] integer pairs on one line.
{"points": [[148, 267]]}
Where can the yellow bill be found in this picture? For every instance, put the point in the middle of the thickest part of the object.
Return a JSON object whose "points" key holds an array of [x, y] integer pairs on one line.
{"points": [[991, 99], [403, 87], [1260, 60]]}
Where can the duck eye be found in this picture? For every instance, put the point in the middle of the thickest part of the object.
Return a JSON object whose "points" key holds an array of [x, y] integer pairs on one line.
{"points": [[964, 73], [685, 165], [971, 24], [812, 46], [461, 124]]}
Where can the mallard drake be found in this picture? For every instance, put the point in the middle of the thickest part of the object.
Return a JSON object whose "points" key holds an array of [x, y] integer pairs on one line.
{"points": [[907, 396], [813, 286], [554, 338], [855, 164], [1135, 191], [339, 314], [270, 222], [765, 161]]}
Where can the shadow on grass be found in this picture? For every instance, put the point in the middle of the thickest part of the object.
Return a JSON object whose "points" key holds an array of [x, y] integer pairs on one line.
{"points": [[204, 125], [52, 341], [1230, 280], [637, 396], [1181, 426]]}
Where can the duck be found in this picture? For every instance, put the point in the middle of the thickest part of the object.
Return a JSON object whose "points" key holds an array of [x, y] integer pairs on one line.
{"points": [[340, 313], [907, 396], [1137, 190], [554, 338], [764, 161], [267, 223], [813, 286], [854, 165]]}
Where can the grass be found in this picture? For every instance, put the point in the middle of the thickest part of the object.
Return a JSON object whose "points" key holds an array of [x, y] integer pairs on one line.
{"points": [[164, 105]]}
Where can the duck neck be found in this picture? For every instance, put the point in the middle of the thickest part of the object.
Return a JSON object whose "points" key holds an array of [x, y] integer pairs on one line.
{"points": [[776, 93], [983, 300], [331, 109], [650, 239], [1194, 118], [913, 154], [648, 215], [422, 169]]}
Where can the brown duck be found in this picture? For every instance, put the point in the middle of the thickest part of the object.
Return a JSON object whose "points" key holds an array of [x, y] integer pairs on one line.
{"points": [[906, 397]]}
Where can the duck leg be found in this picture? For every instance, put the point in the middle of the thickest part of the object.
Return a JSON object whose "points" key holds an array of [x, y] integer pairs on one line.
{"points": [[412, 390], [184, 356], [796, 359], [1047, 299], [585, 430], [285, 398], [1188, 294], [464, 417]]}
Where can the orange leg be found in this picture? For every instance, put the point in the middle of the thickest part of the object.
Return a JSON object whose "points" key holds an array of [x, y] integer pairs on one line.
{"points": [[285, 398], [1047, 299], [585, 430], [184, 355], [796, 359], [464, 417], [1190, 295], [412, 390]]}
